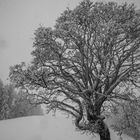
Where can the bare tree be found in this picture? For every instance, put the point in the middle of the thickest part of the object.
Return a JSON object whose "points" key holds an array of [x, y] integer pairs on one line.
{"points": [[87, 61]]}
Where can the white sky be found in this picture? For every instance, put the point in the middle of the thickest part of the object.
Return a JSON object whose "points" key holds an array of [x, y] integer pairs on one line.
{"points": [[18, 21]]}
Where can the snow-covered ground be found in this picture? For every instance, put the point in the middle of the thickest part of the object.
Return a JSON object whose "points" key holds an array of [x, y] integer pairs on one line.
{"points": [[44, 128]]}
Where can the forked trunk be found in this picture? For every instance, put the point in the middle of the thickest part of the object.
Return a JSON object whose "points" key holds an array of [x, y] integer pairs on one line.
{"points": [[103, 131]]}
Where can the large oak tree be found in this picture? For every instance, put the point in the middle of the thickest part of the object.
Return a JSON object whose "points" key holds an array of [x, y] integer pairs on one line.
{"points": [[88, 61]]}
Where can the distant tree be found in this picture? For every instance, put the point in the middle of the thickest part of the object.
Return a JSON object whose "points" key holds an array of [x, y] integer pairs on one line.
{"points": [[4, 108], [22, 106], [85, 63], [16, 104], [127, 119]]}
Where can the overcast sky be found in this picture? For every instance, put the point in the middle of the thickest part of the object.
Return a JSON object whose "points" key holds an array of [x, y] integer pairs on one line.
{"points": [[18, 21]]}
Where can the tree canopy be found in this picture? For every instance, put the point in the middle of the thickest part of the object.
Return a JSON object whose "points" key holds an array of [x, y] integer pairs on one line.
{"points": [[87, 62]]}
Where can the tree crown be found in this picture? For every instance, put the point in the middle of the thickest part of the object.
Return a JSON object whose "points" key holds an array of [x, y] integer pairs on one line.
{"points": [[88, 56]]}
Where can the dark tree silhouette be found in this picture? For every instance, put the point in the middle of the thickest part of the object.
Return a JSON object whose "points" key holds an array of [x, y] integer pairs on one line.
{"points": [[89, 60]]}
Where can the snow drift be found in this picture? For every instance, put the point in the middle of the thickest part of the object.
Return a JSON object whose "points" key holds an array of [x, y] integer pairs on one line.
{"points": [[44, 128]]}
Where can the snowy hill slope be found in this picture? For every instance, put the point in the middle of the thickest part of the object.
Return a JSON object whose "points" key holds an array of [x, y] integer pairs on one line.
{"points": [[43, 128]]}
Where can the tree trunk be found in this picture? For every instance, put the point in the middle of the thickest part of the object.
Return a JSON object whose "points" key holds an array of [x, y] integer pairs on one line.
{"points": [[103, 130]]}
